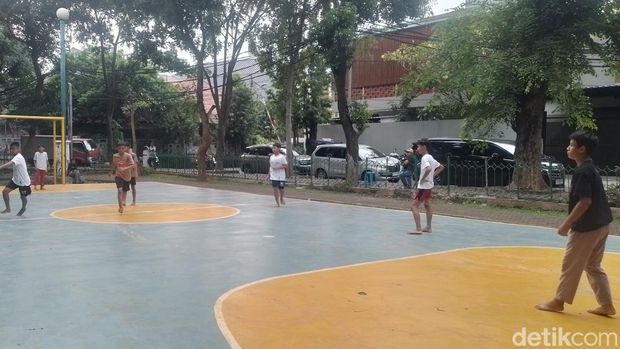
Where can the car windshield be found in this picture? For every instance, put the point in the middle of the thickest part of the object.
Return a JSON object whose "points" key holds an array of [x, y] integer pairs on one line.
{"points": [[507, 147], [90, 145], [370, 153], [283, 150]]}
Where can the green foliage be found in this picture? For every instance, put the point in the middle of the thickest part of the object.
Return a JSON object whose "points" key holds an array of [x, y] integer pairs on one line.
{"points": [[336, 35], [613, 195], [163, 112], [360, 115], [246, 115], [15, 72], [487, 58]]}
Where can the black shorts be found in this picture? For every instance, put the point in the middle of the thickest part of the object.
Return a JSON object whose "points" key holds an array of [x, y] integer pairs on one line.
{"points": [[278, 184], [121, 184], [132, 181], [23, 191]]}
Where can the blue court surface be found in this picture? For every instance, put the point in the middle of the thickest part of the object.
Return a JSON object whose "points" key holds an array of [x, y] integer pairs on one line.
{"points": [[82, 284]]}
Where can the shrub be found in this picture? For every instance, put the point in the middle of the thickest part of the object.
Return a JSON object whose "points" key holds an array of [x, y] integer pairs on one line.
{"points": [[613, 195]]}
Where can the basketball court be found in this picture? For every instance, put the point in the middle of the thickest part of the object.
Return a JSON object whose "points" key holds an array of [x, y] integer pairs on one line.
{"points": [[202, 268]]}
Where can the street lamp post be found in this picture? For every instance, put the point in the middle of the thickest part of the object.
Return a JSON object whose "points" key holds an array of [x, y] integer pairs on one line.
{"points": [[262, 99], [63, 16]]}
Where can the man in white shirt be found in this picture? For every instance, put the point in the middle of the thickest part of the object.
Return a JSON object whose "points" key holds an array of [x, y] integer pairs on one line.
{"points": [[20, 179], [277, 173], [429, 168], [41, 163]]}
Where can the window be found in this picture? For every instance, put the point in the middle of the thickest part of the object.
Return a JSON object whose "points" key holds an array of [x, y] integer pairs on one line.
{"points": [[79, 147], [339, 153], [263, 151], [321, 152]]}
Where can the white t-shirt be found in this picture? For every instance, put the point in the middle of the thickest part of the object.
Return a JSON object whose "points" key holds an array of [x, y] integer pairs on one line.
{"points": [[277, 173], [428, 161], [41, 161], [20, 171]]}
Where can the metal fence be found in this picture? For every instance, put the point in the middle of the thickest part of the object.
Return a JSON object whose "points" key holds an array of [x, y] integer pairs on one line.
{"points": [[461, 177]]}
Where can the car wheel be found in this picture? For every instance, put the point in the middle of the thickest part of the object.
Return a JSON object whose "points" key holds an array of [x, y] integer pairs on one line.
{"points": [[321, 174]]}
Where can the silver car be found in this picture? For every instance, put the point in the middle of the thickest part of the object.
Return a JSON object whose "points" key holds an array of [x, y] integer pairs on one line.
{"points": [[255, 159], [330, 161]]}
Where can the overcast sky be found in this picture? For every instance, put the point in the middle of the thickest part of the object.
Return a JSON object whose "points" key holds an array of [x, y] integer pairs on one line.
{"points": [[441, 6]]}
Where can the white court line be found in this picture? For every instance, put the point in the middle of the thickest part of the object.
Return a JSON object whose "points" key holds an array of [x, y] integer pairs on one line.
{"points": [[378, 208], [230, 338], [235, 212]]}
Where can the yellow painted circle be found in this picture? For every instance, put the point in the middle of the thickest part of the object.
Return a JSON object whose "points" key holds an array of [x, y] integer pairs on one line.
{"points": [[471, 298], [146, 213]]}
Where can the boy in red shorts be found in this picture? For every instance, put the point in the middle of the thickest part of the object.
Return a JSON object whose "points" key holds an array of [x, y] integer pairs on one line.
{"points": [[122, 165], [429, 168]]}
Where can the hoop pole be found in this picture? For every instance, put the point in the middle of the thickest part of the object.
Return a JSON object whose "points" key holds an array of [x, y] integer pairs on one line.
{"points": [[54, 148], [63, 157]]}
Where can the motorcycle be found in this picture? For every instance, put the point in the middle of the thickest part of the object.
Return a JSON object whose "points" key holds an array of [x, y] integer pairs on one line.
{"points": [[150, 158]]}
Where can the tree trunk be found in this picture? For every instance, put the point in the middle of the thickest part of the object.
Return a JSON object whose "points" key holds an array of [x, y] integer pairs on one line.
{"points": [[205, 141], [311, 135], [40, 79], [350, 134], [528, 145], [132, 121], [110, 121], [290, 83]]}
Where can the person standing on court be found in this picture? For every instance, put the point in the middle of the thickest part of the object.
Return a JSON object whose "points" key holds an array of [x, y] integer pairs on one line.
{"points": [[587, 228], [134, 176], [41, 163], [122, 163], [277, 173], [429, 168], [20, 179]]}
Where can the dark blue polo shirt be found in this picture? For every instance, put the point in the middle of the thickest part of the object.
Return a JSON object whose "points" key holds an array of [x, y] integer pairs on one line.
{"points": [[587, 183]]}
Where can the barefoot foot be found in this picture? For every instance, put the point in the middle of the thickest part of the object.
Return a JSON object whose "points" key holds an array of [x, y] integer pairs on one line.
{"points": [[604, 310], [554, 305], [427, 230]]}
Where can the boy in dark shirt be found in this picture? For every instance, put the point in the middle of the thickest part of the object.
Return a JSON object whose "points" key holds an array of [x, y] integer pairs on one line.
{"points": [[587, 228]]}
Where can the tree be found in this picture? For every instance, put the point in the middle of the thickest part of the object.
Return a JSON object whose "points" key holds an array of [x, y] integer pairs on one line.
{"points": [[16, 74], [311, 104], [237, 20], [245, 118], [279, 45], [190, 24], [500, 61], [108, 25], [35, 26], [160, 110], [336, 36]]}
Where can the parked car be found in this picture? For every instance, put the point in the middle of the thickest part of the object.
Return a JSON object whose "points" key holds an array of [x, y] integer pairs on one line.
{"points": [[329, 161], [467, 163], [255, 159]]}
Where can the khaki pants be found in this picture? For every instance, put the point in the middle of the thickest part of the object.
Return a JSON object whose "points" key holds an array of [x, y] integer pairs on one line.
{"points": [[584, 251]]}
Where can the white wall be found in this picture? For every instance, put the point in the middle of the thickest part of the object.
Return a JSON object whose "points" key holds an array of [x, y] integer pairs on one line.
{"points": [[387, 137]]}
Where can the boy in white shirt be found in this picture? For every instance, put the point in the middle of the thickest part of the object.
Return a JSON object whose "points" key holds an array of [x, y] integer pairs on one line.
{"points": [[277, 173], [20, 179], [41, 163], [429, 168]]}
